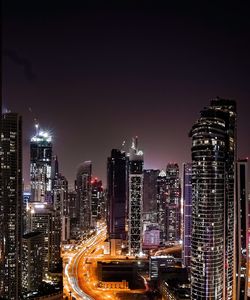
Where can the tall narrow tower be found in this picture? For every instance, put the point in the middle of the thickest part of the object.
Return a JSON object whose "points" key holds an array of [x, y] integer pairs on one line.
{"points": [[161, 204], [173, 203], [213, 203], [187, 213], [11, 207], [117, 170], [83, 188], [242, 260], [135, 199], [40, 166]]}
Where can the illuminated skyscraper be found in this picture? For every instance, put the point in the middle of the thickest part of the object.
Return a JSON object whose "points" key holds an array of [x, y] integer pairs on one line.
{"points": [[117, 174], [60, 202], [213, 204], [73, 213], [135, 199], [97, 196], [83, 189], [173, 203], [161, 204], [11, 200], [242, 263], [40, 166], [187, 213], [43, 218], [32, 267]]}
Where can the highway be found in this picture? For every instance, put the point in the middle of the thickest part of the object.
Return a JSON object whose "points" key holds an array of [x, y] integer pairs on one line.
{"points": [[73, 267], [80, 270]]}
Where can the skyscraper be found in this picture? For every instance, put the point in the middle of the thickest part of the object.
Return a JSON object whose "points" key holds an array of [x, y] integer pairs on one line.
{"points": [[161, 204], [150, 192], [32, 267], [242, 263], [96, 200], [187, 213], [173, 203], [117, 174], [60, 202], [83, 189], [213, 203], [11, 207], [135, 199], [40, 166], [73, 213], [43, 218]]}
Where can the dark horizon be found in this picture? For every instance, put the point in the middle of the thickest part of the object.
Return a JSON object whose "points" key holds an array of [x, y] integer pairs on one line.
{"points": [[96, 75]]}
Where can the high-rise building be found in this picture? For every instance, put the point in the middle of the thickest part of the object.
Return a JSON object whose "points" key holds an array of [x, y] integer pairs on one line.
{"points": [[150, 193], [11, 199], [135, 199], [213, 204], [26, 201], [44, 218], [242, 262], [32, 268], [96, 200], [83, 189], [117, 184], [161, 204], [173, 203], [61, 205], [187, 213], [40, 166], [73, 213]]}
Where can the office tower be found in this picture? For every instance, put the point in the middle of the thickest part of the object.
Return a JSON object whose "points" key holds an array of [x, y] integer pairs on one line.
{"points": [[117, 184], [135, 199], [54, 168], [96, 200], [11, 207], [242, 229], [161, 204], [187, 213], [26, 201], [213, 204], [150, 193], [83, 189], [173, 203], [32, 261], [43, 218], [60, 202], [73, 213], [40, 166]]}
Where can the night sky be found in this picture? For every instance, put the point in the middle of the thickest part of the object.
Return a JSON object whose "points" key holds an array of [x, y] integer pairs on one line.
{"points": [[97, 74]]}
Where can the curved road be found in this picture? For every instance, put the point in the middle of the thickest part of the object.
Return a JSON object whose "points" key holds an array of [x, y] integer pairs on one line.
{"points": [[71, 273]]}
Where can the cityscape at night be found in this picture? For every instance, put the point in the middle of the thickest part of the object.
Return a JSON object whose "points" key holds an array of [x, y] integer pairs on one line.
{"points": [[124, 145]]}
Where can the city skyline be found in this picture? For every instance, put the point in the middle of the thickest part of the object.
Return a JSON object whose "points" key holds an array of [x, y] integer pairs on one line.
{"points": [[124, 148], [159, 67]]}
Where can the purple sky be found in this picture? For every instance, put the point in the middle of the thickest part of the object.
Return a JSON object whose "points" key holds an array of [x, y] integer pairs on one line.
{"points": [[96, 75]]}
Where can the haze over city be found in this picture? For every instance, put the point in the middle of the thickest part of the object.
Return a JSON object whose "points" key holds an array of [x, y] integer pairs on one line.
{"points": [[96, 74], [124, 146]]}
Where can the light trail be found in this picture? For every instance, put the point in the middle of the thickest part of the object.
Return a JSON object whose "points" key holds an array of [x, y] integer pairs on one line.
{"points": [[73, 262]]}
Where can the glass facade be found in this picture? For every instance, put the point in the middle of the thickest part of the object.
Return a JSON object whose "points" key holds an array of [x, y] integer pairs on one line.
{"points": [[40, 166], [117, 174], [11, 200], [173, 203], [83, 189], [213, 162], [242, 262]]}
